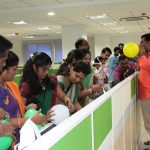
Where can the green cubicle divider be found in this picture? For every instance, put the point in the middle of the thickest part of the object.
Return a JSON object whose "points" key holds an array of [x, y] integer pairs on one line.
{"points": [[102, 118], [19, 70], [79, 138], [133, 86], [52, 71], [17, 79]]}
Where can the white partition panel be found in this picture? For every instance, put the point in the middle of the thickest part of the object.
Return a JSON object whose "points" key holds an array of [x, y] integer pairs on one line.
{"points": [[106, 123]]}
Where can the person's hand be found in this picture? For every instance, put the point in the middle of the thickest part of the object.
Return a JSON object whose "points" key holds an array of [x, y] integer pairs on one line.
{"points": [[2, 113], [6, 129], [50, 113], [95, 76], [39, 119], [32, 106], [69, 104], [96, 88], [71, 107]]}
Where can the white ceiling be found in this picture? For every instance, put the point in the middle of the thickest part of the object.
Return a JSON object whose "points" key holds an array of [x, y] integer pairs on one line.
{"points": [[70, 12]]}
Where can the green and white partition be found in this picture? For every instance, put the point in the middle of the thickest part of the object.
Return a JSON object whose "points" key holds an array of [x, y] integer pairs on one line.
{"points": [[107, 123]]}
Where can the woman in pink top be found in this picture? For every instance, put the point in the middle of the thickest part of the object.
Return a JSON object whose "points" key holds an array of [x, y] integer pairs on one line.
{"points": [[144, 81]]}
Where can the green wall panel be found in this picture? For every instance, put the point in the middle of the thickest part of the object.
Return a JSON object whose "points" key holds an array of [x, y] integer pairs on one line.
{"points": [[52, 71], [102, 122], [79, 138], [17, 79]]}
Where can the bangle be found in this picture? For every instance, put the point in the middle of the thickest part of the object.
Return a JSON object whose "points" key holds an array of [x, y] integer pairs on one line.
{"points": [[91, 90], [66, 99], [19, 123]]}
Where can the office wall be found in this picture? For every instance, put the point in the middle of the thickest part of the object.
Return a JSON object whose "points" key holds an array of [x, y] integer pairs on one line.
{"points": [[96, 42]]}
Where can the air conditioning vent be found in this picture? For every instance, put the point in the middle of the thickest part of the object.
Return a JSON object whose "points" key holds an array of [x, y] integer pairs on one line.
{"points": [[138, 18]]}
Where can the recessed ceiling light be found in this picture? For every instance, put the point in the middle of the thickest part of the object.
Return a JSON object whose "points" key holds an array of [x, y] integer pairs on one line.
{"points": [[19, 22], [44, 28], [51, 13]]}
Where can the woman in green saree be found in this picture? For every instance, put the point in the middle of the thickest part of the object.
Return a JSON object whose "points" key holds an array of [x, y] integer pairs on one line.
{"points": [[38, 87], [70, 78]]}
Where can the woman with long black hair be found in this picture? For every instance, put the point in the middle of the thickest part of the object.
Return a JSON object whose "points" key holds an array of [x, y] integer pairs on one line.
{"points": [[38, 87]]}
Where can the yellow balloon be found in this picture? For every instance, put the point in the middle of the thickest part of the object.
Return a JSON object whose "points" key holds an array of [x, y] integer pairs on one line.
{"points": [[130, 49]]}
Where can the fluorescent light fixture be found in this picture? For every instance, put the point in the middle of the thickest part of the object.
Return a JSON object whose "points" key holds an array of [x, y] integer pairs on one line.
{"points": [[29, 37], [13, 34], [44, 28], [58, 32], [109, 23], [126, 31], [51, 13], [119, 28], [19, 22], [123, 31], [97, 17]]}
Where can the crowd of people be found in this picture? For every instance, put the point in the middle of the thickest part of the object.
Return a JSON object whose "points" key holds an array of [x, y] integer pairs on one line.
{"points": [[78, 81]]}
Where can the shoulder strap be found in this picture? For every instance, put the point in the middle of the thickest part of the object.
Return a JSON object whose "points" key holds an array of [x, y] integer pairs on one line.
{"points": [[68, 88], [60, 80]]}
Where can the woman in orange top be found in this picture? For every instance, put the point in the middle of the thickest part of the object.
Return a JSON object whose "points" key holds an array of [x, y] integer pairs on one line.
{"points": [[144, 81]]}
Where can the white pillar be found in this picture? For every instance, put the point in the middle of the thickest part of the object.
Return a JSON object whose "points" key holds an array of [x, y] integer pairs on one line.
{"points": [[18, 48], [101, 41], [69, 36], [91, 41]]}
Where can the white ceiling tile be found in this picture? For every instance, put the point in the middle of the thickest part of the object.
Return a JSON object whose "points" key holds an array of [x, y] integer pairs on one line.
{"points": [[13, 4], [68, 13], [41, 2], [70, 1]]}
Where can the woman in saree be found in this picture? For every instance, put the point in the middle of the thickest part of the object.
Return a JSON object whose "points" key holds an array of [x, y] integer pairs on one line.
{"points": [[10, 97], [70, 78], [5, 46], [38, 87]]}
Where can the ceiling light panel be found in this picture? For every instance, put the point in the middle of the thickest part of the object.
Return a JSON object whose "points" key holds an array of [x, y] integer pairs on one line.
{"points": [[97, 17], [44, 28], [102, 19], [19, 22], [13, 34], [29, 37], [51, 13]]}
